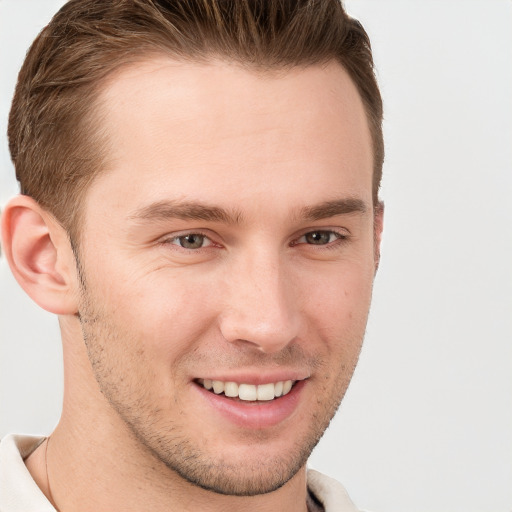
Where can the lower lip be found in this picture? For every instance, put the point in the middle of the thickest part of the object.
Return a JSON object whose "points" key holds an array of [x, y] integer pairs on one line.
{"points": [[255, 415]]}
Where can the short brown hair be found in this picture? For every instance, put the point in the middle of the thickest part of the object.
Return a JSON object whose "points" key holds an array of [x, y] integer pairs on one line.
{"points": [[54, 137]]}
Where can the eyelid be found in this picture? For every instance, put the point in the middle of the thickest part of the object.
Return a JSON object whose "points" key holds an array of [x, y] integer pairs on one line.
{"points": [[170, 238], [340, 234], [206, 242]]}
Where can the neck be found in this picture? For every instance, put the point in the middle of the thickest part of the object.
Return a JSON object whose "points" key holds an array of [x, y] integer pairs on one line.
{"points": [[79, 472], [94, 462]]}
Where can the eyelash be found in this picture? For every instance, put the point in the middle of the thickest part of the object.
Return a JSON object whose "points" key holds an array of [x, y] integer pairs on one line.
{"points": [[339, 238], [331, 244], [175, 240]]}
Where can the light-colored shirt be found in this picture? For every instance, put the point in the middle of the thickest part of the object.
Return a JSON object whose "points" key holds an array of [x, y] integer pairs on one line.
{"points": [[19, 492]]}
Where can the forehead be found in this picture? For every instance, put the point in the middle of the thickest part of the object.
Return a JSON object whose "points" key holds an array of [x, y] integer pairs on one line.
{"points": [[177, 127]]}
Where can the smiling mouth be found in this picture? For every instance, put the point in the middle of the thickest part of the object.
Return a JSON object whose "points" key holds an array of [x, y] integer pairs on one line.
{"points": [[248, 392]]}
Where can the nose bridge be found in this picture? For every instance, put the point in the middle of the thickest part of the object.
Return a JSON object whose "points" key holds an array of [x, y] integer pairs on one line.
{"points": [[261, 306]]}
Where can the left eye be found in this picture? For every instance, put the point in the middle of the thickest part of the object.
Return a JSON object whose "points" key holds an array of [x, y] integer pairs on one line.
{"points": [[319, 237], [192, 241]]}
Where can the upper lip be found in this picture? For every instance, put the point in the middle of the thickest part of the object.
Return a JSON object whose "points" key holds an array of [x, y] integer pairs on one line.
{"points": [[257, 378]]}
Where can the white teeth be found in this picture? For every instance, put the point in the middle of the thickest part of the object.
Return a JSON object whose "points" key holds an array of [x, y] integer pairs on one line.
{"points": [[249, 392], [287, 386], [218, 386], [231, 389], [266, 391]]}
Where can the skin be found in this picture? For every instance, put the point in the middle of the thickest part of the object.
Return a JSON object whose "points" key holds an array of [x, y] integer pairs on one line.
{"points": [[260, 157]]}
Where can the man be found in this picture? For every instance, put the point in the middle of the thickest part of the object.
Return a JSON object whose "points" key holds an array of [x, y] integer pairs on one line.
{"points": [[200, 207]]}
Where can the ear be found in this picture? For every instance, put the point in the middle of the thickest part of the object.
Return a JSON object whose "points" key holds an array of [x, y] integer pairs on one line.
{"points": [[40, 255], [378, 226]]}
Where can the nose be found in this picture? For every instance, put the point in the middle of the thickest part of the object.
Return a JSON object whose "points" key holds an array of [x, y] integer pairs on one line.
{"points": [[261, 305]]}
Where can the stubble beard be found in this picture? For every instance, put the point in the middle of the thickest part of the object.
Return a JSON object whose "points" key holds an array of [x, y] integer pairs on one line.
{"points": [[162, 439]]}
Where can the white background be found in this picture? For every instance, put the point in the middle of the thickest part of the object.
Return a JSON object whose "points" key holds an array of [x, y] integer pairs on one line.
{"points": [[427, 422]]}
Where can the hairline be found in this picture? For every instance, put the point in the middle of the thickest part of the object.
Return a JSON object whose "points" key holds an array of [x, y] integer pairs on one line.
{"points": [[96, 112]]}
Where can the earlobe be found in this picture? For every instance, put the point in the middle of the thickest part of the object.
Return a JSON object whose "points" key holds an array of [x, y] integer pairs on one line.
{"points": [[39, 254]]}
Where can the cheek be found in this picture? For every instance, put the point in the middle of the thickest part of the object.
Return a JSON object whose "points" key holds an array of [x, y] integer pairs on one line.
{"points": [[163, 314], [337, 309], [339, 295]]}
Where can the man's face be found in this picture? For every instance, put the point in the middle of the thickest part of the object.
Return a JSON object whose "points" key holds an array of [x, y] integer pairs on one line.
{"points": [[230, 239]]}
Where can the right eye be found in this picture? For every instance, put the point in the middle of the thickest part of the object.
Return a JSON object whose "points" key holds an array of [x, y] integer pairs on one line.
{"points": [[191, 241]]}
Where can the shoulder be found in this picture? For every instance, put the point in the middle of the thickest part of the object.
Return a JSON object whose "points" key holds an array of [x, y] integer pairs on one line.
{"points": [[329, 492], [18, 491]]}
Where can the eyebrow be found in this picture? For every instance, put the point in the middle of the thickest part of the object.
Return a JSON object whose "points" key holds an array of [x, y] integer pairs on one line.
{"points": [[333, 208], [190, 210]]}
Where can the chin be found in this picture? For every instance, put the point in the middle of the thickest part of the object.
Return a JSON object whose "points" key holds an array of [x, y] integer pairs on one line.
{"points": [[246, 471], [220, 477]]}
